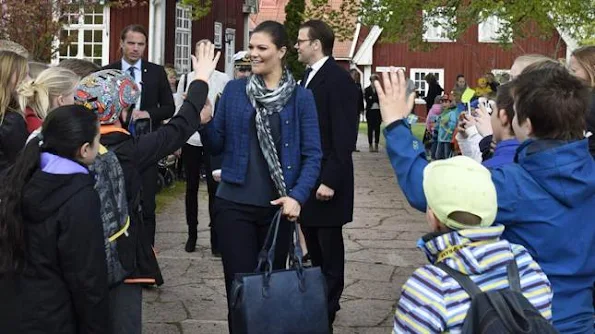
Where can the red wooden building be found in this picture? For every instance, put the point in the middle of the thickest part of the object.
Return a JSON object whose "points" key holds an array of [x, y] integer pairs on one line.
{"points": [[172, 33]]}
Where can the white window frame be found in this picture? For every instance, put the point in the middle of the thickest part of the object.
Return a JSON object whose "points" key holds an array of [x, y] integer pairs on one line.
{"points": [[487, 30], [218, 35], [81, 27], [414, 71], [381, 69], [183, 39], [434, 34]]}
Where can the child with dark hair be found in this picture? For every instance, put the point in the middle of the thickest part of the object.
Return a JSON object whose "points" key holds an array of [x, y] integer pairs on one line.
{"points": [[53, 273], [498, 119], [546, 199]]}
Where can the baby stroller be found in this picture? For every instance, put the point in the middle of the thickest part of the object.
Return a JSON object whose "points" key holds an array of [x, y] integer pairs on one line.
{"points": [[166, 169]]}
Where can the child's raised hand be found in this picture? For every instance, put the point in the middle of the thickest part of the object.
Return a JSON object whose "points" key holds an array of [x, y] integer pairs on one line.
{"points": [[392, 96], [205, 61], [483, 121]]}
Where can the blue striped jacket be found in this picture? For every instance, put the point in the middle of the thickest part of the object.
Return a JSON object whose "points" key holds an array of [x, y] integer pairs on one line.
{"points": [[433, 302]]}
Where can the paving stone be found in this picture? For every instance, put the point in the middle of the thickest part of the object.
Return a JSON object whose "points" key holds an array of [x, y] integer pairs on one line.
{"points": [[151, 328], [170, 312], [386, 244], [204, 327], [368, 271], [363, 312], [397, 258], [365, 289]]}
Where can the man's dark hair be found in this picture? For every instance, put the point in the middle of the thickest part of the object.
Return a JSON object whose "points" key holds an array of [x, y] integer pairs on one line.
{"points": [[318, 30], [460, 76], [554, 100], [80, 67], [134, 28]]}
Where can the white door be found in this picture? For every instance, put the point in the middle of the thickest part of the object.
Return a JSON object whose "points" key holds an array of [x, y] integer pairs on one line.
{"points": [[230, 50]]}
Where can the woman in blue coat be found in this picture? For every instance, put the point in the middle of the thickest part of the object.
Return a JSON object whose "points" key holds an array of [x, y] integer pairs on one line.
{"points": [[266, 129]]}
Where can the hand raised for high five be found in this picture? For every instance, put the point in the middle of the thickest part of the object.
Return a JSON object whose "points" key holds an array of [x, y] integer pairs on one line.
{"points": [[205, 61], [392, 96]]}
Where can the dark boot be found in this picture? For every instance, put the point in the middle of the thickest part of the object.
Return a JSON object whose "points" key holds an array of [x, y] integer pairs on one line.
{"points": [[192, 235], [376, 147]]}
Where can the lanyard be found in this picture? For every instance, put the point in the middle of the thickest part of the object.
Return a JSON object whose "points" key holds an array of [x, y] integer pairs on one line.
{"points": [[452, 250]]}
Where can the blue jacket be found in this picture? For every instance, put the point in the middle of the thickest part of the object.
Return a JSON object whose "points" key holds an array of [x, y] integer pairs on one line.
{"points": [[503, 153], [546, 201], [227, 134]]}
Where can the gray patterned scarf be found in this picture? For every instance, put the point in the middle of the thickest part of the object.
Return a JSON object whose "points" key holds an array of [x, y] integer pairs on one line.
{"points": [[267, 102]]}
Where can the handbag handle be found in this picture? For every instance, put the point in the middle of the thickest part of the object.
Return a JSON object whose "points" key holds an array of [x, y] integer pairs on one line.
{"points": [[296, 255], [267, 253]]}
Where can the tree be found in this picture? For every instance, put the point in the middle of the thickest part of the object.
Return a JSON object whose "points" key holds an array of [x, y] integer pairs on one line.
{"points": [[402, 20], [37, 24], [294, 13], [342, 20], [200, 8]]}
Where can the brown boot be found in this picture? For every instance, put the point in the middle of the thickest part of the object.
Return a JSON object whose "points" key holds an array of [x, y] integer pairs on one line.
{"points": [[371, 148], [375, 147]]}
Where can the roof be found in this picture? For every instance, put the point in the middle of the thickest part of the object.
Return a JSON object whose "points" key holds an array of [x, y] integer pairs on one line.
{"points": [[275, 10]]}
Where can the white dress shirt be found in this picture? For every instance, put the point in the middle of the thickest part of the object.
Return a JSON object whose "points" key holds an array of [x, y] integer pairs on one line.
{"points": [[138, 77], [315, 68]]}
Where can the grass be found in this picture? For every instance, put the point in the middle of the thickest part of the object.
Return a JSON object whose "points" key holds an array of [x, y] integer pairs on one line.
{"points": [[418, 130], [168, 195]]}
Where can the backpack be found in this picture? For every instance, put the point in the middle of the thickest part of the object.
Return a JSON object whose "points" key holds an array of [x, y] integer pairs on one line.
{"points": [[499, 311], [110, 185]]}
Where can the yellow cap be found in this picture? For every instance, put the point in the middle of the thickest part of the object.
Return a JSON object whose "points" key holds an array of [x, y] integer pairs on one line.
{"points": [[460, 184]]}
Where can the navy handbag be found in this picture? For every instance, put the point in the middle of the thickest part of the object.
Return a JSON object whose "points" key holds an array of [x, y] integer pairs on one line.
{"points": [[293, 300]]}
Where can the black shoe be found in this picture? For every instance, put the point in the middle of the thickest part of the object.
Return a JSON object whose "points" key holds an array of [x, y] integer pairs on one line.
{"points": [[191, 243], [216, 253]]}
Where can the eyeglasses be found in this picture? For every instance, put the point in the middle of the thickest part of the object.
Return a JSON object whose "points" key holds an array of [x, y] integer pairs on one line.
{"points": [[300, 41]]}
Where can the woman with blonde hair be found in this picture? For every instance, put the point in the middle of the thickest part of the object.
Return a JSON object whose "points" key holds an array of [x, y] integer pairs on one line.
{"points": [[582, 65], [53, 87], [13, 129]]}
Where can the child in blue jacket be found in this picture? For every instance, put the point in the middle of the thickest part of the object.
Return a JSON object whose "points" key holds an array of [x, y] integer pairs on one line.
{"points": [[546, 199]]}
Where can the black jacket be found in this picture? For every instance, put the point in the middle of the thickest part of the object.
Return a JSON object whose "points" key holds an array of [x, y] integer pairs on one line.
{"points": [[371, 97], [13, 136], [335, 94], [135, 156], [63, 288], [156, 96], [434, 90]]}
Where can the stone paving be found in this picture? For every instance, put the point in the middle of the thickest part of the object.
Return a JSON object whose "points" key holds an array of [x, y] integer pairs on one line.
{"points": [[380, 254]]}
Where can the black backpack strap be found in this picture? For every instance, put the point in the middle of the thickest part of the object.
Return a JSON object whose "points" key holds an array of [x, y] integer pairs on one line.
{"points": [[514, 280], [464, 281]]}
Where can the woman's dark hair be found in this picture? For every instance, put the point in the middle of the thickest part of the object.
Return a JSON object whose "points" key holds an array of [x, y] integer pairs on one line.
{"points": [[277, 32], [430, 78], [64, 131], [504, 101], [355, 75]]}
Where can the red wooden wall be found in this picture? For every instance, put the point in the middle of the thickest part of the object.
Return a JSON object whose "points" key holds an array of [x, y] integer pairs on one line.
{"points": [[466, 56]]}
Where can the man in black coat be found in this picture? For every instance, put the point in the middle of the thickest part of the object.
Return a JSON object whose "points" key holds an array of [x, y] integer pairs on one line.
{"points": [[156, 103], [330, 205]]}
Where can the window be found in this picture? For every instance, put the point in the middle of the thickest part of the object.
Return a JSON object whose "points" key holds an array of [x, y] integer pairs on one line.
{"points": [[380, 69], [488, 31], [183, 48], [85, 36], [437, 27], [421, 86], [218, 38]]}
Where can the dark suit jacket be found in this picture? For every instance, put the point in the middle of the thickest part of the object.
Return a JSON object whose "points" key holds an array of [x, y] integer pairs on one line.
{"points": [[371, 97], [157, 98], [336, 96]]}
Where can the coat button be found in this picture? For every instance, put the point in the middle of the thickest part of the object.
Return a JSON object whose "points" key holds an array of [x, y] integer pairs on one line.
{"points": [[286, 122], [288, 167], [286, 144]]}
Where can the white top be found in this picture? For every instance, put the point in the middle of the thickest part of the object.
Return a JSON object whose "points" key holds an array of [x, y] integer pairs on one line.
{"points": [[217, 83], [138, 77], [315, 68]]}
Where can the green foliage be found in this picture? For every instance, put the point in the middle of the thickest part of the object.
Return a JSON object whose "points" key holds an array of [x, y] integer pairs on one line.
{"points": [[200, 8], [402, 19], [342, 19], [294, 11]]}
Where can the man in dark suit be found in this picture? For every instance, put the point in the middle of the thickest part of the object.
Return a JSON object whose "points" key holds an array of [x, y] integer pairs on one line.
{"points": [[330, 205], [156, 103]]}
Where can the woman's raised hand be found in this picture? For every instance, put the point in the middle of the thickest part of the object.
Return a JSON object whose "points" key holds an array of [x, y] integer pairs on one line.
{"points": [[205, 61]]}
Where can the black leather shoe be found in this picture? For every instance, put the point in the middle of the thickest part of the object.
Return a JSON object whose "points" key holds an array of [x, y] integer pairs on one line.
{"points": [[191, 243]]}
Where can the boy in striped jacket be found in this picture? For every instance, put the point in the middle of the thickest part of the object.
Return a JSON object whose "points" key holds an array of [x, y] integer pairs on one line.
{"points": [[461, 209]]}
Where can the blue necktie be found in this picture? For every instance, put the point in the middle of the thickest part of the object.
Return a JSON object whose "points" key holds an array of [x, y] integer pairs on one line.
{"points": [[132, 72]]}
